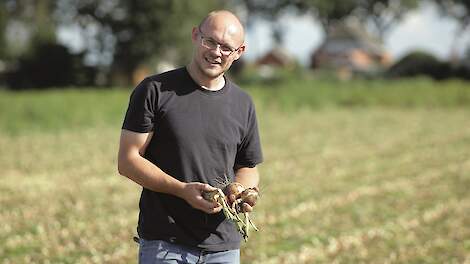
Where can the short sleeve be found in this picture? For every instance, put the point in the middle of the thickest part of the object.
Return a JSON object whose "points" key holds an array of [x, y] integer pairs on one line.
{"points": [[141, 112], [249, 152]]}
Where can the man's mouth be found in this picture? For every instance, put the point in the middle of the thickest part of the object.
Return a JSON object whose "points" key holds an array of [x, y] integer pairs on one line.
{"points": [[213, 61]]}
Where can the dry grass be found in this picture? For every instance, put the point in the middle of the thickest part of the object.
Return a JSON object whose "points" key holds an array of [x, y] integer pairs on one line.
{"points": [[369, 185]]}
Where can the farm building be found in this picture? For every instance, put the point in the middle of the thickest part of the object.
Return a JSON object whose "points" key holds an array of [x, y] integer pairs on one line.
{"points": [[276, 57], [349, 49]]}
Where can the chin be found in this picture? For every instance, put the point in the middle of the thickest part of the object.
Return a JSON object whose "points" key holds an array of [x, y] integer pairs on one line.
{"points": [[213, 73]]}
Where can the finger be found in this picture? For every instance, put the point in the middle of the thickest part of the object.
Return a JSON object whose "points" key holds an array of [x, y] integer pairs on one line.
{"points": [[204, 205], [207, 187], [247, 208], [216, 209], [250, 203], [232, 198]]}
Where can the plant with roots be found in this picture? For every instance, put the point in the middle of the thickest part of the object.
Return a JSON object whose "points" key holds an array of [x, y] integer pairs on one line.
{"points": [[234, 210]]}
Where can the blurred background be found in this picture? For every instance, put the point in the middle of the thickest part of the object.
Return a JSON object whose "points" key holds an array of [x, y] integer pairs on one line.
{"points": [[109, 43], [363, 108]]}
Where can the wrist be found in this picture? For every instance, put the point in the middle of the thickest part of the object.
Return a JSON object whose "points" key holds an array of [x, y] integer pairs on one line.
{"points": [[179, 189]]}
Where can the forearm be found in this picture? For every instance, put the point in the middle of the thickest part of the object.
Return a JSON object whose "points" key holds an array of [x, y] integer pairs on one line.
{"points": [[248, 177], [134, 166], [148, 175]]}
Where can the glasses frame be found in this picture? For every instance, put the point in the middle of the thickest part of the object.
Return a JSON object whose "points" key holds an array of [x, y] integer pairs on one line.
{"points": [[218, 45]]}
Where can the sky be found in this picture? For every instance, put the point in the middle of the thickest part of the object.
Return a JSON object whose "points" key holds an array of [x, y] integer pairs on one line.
{"points": [[424, 29]]}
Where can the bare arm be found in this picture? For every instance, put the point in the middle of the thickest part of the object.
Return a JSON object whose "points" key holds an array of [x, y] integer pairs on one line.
{"points": [[249, 177], [134, 166]]}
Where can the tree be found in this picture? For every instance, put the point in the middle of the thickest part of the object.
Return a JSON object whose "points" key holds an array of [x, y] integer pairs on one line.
{"points": [[379, 14], [47, 65], [383, 14], [125, 34], [3, 26], [460, 11], [33, 17]]}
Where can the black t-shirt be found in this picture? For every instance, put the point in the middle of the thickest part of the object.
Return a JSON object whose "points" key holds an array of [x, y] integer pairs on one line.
{"points": [[199, 135]]}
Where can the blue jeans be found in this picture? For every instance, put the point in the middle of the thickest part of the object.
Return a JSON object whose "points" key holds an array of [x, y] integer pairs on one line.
{"points": [[158, 251]]}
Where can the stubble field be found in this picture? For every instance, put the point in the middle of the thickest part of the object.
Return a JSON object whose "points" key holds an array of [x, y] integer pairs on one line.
{"points": [[368, 184]]}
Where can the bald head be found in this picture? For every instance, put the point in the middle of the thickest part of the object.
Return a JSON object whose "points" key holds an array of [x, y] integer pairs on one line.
{"points": [[218, 42], [225, 22]]}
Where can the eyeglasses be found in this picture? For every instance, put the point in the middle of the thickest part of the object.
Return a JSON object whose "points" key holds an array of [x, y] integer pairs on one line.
{"points": [[211, 44]]}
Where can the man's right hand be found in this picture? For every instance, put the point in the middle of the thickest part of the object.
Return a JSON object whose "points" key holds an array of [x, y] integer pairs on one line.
{"points": [[192, 194]]}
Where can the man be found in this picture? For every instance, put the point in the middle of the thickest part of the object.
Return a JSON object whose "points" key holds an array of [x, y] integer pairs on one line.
{"points": [[186, 131]]}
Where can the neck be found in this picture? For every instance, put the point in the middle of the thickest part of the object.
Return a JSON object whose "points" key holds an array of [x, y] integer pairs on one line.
{"points": [[215, 88], [202, 80]]}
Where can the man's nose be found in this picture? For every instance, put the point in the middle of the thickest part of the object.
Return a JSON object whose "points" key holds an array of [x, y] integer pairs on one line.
{"points": [[217, 50]]}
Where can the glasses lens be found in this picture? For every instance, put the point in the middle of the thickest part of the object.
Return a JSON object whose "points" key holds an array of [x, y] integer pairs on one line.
{"points": [[225, 49], [208, 43], [212, 44]]}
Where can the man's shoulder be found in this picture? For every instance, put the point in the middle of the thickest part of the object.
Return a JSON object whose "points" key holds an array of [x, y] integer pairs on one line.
{"points": [[171, 75], [163, 82], [239, 92]]}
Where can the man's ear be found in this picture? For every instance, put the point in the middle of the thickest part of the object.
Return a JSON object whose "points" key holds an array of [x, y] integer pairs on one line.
{"points": [[240, 51], [195, 34]]}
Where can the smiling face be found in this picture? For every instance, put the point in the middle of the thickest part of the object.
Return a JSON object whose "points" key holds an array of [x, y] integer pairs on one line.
{"points": [[220, 31]]}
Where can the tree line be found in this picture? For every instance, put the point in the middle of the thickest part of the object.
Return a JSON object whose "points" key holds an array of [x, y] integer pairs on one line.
{"points": [[116, 37]]}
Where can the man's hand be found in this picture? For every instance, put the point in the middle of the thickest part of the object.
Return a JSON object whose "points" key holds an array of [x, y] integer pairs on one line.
{"points": [[249, 198], [192, 193], [236, 191], [233, 191]]}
